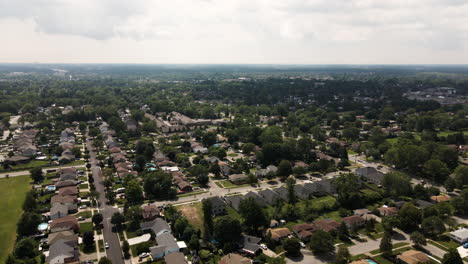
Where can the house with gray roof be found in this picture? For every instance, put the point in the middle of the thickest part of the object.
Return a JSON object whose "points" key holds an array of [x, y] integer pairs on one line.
{"points": [[234, 201], [159, 226], [371, 174], [282, 193], [257, 198], [64, 235], [269, 196], [249, 244], [218, 205], [63, 251], [58, 210], [302, 192], [166, 244]]}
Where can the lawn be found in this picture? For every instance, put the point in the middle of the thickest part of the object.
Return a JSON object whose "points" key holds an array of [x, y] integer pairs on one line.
{"points": [[13, 192], [229, 185], [86, 227], [194, 214], [233, 213], [30, 165], [85, 214]]}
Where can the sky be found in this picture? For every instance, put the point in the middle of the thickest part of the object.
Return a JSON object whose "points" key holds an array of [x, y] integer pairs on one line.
{"points": [[235, 31]]}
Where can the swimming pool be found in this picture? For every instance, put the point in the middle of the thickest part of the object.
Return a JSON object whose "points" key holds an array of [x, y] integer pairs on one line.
{"points": [[370, 261], [42, 226], [50, 188]]}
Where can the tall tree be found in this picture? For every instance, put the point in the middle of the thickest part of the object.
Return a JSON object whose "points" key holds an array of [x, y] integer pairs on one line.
{"points": [[36, 174], [207, 217], [253, 215], [292, 246], [386, 245], [342, 256], [452, 257], [321, 242]]}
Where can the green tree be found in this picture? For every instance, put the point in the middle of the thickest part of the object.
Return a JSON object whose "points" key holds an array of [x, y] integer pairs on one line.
{"points": [[410, 217], [396, 184], [36, 174], [284, 169], [207, 217], [126, 249], [105, 260], [436, 170], [134, 192], [321, 242], [433, 226], [27, 225], [227, 229], [97, 220], [25, 248], [292, 246], [342, 256], [88, 240], [209, 139], [461, 176], [348, 189], [200, 173], [386, 245], [290, 183], [418, 239], [253, 215], [117, 220], [30, 203], [452, 257]]}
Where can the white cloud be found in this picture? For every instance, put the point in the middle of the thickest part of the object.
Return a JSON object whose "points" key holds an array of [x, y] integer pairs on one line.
{"points": [[237, 31]]}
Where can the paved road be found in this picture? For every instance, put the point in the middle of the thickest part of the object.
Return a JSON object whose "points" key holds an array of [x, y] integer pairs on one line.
{"points": [[309, 258], [114, 252]]}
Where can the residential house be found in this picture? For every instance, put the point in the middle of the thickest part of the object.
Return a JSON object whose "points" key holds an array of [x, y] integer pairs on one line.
{"points": [[58, 210], [413, 257], [249, 244], [150, 212], [233, 258], [68, 191], [65, 223], [234, 201], [175, 258], [272, 169], [387, 211], [303, 231], [460, 235], [218, 206], [282, 193], [326, 225], [67, 174], [279, 233], [269, 196], [166, 244], [302, 192], [361, 212], [371, 174], [224, 168], [258, 199], [63, 251], [159, 226], [66, 183], [65, 235], [440, 198], [238, 178], [354, 221]]}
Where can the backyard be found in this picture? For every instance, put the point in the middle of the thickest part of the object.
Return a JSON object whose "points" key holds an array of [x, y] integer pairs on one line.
{"points": [[12, 195], [194, 214]]}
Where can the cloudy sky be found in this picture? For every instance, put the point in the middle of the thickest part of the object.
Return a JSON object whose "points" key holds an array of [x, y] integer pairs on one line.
{"points": [[235, 31]]}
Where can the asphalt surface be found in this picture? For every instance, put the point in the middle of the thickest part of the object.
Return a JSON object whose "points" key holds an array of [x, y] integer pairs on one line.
{"points": [[114, 252]]}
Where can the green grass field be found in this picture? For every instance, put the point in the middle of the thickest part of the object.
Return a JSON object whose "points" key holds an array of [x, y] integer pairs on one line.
{"points": [[12, 193]]}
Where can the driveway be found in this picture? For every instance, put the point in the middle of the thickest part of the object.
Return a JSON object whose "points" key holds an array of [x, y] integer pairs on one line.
{"points": [[309, 258], [370, 245]]}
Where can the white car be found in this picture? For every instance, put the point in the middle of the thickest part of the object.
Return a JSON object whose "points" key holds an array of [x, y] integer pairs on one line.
{"points": [[106, 245], [81, 218], [144, 255], [263, 246], [83, 206], [302, 245]]}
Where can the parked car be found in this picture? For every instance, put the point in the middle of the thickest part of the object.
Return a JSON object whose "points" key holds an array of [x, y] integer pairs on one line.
{"points": [[302, 244], [106, 245], [144, 255], [80, 218], [263, 246]]}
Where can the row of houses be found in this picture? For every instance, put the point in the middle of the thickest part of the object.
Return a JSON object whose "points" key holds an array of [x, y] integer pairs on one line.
{"points": [[67, 143], [24, 143], [63, 238]]}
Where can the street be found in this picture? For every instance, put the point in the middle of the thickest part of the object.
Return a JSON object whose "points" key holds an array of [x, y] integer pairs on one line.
{"points": [[114, 253]]}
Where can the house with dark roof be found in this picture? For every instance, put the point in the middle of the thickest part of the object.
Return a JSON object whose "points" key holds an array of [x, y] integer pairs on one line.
{"points": [[159, 226], [234, 201], [66, 183], [218, 205], [269, 196], [249, 244], [149, 212], [258, 199], [63, 251], [67, 174], [371, 174], [302, 192], [67, 191], [282, 193]]}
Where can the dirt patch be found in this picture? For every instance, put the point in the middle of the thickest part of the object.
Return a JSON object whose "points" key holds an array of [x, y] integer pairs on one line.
{"points": [[194, 214]]}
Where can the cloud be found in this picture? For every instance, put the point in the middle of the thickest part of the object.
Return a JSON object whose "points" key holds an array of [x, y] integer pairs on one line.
{"points": [[304, 30]]}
